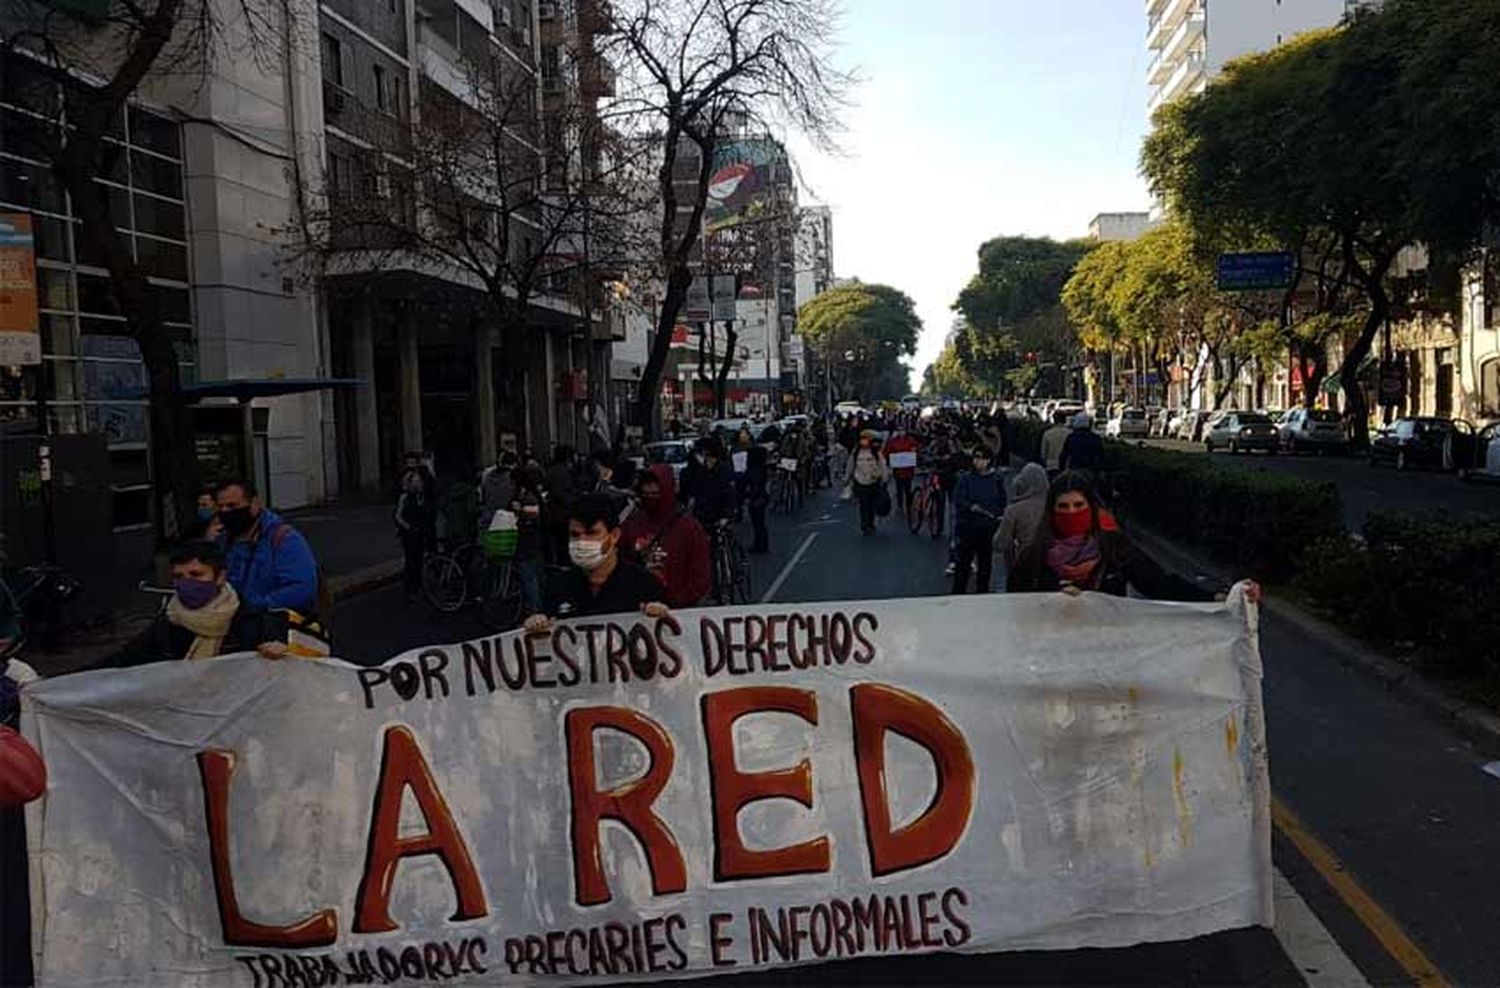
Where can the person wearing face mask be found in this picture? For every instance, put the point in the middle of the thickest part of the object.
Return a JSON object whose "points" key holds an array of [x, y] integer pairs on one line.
{"points": [[867, 475], [979, 501], [668, 541], [270, 564], [206, 524], [599, 582], [204, 618], [1078, 547]]}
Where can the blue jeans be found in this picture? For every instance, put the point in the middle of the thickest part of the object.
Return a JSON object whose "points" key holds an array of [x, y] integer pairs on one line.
{"points": [[529, 574]]}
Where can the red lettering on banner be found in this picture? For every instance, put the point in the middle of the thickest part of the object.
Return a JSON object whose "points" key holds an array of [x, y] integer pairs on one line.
{"points": [[216, 768], [733, 790], [629, 803], [402, 767], [877, 709]]}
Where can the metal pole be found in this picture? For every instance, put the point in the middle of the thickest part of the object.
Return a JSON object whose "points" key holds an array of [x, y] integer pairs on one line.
{"points": [[44, 465]]}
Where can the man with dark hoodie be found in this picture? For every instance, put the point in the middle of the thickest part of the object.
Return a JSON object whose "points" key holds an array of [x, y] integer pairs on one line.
{"points": [[978, 501], [668, 541]]}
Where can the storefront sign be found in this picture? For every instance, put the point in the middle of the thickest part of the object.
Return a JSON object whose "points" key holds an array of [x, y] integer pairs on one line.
{"points": [[630, 799]]}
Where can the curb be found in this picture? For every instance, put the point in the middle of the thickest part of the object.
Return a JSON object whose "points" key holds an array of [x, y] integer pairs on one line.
{"points": [[1469, 720], [373, 577]]}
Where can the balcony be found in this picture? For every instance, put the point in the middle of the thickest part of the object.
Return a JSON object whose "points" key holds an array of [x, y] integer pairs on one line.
{"points": [[442, 63], [1187, 36], [1160, 30], [596, 18], [1189, 76]]}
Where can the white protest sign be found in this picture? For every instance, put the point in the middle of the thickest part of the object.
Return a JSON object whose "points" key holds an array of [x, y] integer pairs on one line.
{"points": [[623, 799], [904, 461]]}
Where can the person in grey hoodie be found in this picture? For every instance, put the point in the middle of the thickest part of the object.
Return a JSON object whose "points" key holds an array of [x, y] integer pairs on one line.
{"points": [[1023, 516]]}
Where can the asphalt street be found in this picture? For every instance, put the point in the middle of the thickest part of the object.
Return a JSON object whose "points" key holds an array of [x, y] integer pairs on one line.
{"points": [[1364, 488], [1399, 806]]}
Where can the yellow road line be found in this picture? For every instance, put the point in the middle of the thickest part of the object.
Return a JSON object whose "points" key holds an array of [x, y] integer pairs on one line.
{"points": [[1381, 925]]}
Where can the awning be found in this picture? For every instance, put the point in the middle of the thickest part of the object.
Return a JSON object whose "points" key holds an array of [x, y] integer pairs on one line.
{"points": [[246, 390]]}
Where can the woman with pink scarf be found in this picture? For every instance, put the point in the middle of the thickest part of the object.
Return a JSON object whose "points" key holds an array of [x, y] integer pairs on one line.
{"points": [[1079, 547]]}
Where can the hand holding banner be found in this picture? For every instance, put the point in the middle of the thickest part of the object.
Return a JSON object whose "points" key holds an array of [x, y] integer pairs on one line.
{"points": [[712, 790]]}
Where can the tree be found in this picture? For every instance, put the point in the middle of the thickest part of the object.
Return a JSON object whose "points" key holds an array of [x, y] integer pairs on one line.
{"points": [[861, 332], [690, 71], [1300, 145], [1011, 308], [119, 48]]}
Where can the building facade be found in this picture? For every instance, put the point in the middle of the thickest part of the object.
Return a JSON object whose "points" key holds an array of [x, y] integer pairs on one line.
{"points": [[1118, 226], [1191, 40]]}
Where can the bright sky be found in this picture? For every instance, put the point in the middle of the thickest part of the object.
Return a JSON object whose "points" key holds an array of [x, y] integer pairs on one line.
{"points": [[977, 119]]}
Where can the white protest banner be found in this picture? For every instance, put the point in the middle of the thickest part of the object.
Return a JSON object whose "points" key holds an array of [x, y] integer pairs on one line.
{"points": [[624, 799]]}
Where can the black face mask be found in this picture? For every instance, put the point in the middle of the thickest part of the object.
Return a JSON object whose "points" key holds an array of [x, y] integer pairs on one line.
{"points": [[237, 521]]}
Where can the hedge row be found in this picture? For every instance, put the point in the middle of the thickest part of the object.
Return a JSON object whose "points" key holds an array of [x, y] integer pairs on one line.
{"points": [[1426, 587]]}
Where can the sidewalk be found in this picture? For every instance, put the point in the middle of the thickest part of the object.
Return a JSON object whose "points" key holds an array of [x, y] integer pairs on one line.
{"points": [[355, 544]]}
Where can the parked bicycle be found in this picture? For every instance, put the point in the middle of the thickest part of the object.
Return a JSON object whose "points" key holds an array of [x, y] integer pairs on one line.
{"points": [[927, 505], [731, 566], [480, 573], [36, 595]]}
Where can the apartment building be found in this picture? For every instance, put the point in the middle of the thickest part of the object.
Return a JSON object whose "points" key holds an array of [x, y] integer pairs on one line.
{"points": [[1190, 40]]}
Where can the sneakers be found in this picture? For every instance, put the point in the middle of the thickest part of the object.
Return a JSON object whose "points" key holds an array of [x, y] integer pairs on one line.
{"points": [[950, 569]]}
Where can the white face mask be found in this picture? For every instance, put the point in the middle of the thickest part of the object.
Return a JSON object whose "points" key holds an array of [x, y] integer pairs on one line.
{"points": [[585, 553]]}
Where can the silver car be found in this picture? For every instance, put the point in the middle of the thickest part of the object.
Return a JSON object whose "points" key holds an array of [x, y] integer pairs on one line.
{"points": [[1313, 429], [1242, 432]]}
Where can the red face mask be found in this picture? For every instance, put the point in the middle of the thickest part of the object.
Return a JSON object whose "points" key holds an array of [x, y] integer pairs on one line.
{"points": [[1072, 523]]}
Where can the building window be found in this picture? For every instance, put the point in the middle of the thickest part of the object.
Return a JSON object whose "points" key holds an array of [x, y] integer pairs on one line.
{"points": [[333, 60], [382, 95]]}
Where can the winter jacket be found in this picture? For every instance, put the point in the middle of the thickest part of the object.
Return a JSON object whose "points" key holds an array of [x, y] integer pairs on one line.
{"points": [[275, 570], [414, 516], [1028, 500], [713, 495], [163, 641], [1084, 450], [984, 491], [1053, 441], [1121, 566], [867, 467], [669, 543], [497, 489]]}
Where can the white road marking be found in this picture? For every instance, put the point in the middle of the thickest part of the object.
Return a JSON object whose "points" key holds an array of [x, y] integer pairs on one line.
{"points": [[786, 570], [1493, 768], [1319, 958]]}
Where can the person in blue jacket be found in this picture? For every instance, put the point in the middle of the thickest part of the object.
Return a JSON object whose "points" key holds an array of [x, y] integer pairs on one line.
{"points": [[270, 564], [978, 504]]}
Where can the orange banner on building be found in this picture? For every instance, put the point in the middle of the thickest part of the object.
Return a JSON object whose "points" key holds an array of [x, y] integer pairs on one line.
{"points": [[19, 341]]}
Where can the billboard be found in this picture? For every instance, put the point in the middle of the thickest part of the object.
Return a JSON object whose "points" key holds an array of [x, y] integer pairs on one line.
{"points": [[743, 184]]}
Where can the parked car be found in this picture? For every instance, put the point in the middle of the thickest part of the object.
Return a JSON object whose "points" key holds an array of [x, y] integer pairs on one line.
{"points": [[1128, 423], [675, 453], [1316, 429], [1486, 465], [1192, 424], [1242, 432], [1424, 442]]}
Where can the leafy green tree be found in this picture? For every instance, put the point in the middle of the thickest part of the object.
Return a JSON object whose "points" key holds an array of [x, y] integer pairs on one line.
{"points": [[1012, 308], [1299, 145], [861, 332]]}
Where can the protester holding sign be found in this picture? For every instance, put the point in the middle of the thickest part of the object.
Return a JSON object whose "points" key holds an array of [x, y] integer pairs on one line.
{"points": [[205, 617], [599, 582], [901, 454], [1079, 547]]}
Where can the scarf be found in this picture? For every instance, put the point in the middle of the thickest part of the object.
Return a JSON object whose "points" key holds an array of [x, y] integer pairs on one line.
{"points": [[210, 623], [1074, 559]]}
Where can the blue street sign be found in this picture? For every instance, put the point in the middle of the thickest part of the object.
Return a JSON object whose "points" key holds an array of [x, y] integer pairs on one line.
{"points": [[1256, 271]]}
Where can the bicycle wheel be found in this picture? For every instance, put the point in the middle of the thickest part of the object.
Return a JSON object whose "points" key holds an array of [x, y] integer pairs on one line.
{"points": [[444, 584], [915, 506], [501, 606], [742, 588], [935, 508], [723, 575]]}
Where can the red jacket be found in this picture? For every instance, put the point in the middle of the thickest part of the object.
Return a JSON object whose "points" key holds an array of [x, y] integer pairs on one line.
{"points": [[903, 443], [23, 777], [670, 544]]}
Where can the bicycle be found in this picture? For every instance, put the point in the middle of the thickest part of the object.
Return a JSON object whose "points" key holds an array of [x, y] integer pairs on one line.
{"points": [[821, 473], [447, 574], [927, 505], [731, 567], [784, 494]]}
